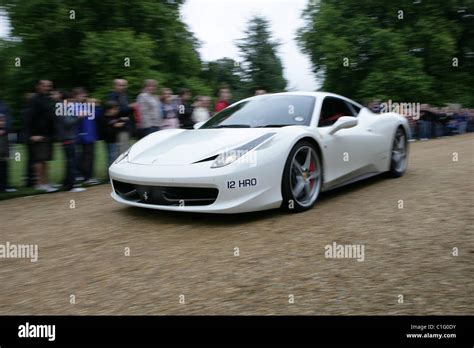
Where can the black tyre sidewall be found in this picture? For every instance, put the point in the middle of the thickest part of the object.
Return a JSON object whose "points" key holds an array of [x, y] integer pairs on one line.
{"points": [[393, 172], [285, 183]]}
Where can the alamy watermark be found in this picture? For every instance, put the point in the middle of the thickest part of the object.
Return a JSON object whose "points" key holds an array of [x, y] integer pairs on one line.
{"points": [[405, 109], [19, 251], [37, 331], [239, 156], [75, 109], [345, 251]]}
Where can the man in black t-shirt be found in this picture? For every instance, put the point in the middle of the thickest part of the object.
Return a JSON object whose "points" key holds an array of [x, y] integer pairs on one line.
{"points": [[40, 131]]}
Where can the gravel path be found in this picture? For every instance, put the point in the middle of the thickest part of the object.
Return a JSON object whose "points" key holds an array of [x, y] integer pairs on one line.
{"points": [[408, 251]]}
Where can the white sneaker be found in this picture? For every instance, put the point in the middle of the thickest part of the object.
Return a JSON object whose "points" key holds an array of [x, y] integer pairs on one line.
{"points": [[50, 188], [45, 188], [77, 189], [11, 189], [91, 182]]}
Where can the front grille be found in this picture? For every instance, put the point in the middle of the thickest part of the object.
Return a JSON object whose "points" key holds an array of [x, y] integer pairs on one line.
{"points": [[165, 195]]}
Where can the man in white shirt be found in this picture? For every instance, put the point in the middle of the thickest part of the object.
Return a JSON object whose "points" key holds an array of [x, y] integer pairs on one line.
{"points": [[201, 110], [149, 108]]}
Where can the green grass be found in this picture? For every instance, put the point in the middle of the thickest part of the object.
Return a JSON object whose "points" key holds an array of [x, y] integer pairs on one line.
{"points": [[56, 168]]}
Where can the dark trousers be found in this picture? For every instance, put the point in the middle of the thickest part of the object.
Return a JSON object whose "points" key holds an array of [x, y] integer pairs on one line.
{"points": [[70, 155], [85, 164], [30, 172], [3, 174]]}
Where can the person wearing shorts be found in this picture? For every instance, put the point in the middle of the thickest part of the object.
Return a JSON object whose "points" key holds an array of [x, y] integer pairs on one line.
{"points": [[41, 131]]}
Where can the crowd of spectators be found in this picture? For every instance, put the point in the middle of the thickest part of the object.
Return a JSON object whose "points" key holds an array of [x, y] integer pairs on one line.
{"points": [[434, 122], [77, 122]]}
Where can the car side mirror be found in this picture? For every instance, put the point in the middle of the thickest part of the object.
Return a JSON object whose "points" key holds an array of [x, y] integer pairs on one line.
{"points": [[198, 125], [343, 122]]}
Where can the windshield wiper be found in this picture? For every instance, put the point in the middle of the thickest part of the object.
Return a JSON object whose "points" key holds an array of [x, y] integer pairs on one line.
{"points": [[274, 125], [231, 126]]}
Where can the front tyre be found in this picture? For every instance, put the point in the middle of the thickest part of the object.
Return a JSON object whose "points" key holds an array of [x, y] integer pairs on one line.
{"points": [[398, 163], [302, 178]]}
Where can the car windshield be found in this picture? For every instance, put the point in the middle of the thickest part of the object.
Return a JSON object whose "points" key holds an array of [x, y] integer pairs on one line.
{"points": [[265, 111]]}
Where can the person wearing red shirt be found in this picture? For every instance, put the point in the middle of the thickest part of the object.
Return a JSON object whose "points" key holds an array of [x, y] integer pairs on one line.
{"points": [[224, 98]]}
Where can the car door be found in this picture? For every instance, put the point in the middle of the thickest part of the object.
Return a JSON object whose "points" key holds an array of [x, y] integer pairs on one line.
{"points": [[346, 150]]}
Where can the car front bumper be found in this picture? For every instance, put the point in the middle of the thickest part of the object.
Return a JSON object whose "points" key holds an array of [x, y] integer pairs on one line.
{"points": [[242, 187]]}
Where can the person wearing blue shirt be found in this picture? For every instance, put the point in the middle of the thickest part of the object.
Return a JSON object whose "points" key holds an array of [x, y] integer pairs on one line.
{"points": [[88, 135]]}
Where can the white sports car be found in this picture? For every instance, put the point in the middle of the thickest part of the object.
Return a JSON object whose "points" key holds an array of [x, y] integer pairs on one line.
{"points": [[264, 152]]}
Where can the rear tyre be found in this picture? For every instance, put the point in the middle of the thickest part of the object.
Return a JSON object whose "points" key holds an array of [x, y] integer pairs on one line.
{"points": [[302, 178], [398, 163]]}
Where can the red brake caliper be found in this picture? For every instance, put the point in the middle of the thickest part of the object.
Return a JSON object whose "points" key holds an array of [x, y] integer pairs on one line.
{"points": [[311, 171]]}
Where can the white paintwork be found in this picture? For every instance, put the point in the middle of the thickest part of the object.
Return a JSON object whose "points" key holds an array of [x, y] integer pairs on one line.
{"points": [[166, 158]]}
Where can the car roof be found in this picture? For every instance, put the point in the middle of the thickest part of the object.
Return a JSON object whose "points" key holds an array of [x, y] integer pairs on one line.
{"points": [[310, 94]]}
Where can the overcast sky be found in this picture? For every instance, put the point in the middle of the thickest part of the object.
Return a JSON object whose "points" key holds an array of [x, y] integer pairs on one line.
{"points": [[219, 23], [3, 25]]}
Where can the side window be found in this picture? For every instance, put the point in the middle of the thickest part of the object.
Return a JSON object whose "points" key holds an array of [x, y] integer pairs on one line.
{"points": [[355, 108], [332, 109]]}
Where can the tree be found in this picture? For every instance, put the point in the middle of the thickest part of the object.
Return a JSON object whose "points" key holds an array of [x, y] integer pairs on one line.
{"points": [[410, 51], [225, 72], [133, 61], [86, 43], [262, 66]]}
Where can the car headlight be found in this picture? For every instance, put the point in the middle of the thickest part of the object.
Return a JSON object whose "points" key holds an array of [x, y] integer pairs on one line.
{"points": [[122, 156], [233, 155]]}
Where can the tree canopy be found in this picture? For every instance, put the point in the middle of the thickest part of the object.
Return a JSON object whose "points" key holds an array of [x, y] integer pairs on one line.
{"points": [[89, 43], [225, 72], [84, 43], [401, 50], [262, 66]]}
